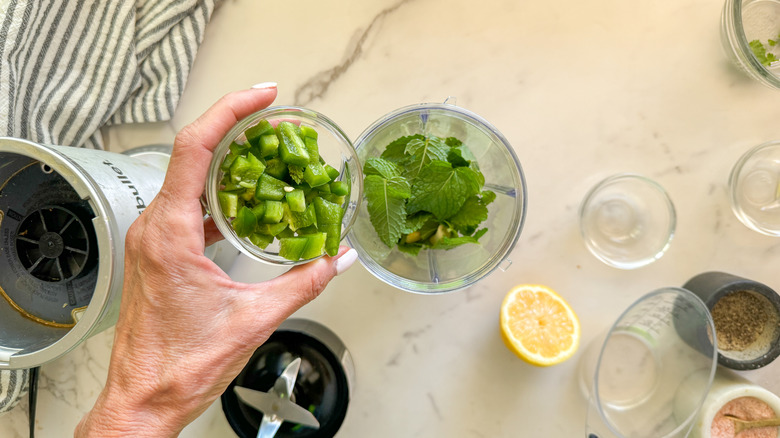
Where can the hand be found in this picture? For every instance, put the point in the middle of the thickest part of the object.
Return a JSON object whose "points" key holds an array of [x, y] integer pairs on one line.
{"points": [[185, 329]]}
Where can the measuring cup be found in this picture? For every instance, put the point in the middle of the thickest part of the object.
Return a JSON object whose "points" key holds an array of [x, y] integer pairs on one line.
{"points": [[631, 375]]}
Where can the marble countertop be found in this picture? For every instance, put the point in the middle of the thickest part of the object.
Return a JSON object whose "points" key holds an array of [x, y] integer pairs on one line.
{"points": [[582, 90]]}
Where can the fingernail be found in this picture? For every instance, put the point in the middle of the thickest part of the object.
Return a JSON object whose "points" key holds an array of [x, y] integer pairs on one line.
{"points": [[345, 261], [264, 85]]}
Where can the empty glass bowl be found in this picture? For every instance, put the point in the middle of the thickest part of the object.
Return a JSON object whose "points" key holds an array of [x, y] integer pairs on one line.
{"points": [[750, 34], [334, 148], [627, 221], [754, 186], [438, 270]]}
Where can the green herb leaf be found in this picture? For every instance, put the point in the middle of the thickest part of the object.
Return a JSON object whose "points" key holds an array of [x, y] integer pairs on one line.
{"points": [[442, 189], [395, 151], [447, 243], [473, 212], [415, 222], [759, 50], [386, 199], [410, 248], [381, 167], [424, 151], [453, 142]]}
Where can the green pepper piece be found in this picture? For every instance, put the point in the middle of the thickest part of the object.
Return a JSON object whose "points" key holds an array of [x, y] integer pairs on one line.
{"points": [[315, 174], [274, 211], [229, 158], [297, 220], [332, 172], [287, 232], [245, 222], [332, 238], [315, 245], [228, 202], [311, 229], [254, 133], [259, 211], [291, 148], [334, 198], [329, 221], [340, 188], [270, 188], [312, 148], [247, 168], [296, 200], [261, 240], [276, 168], [269, 145], [239, 149], [271, 229], [308, 131], [292, 248]]}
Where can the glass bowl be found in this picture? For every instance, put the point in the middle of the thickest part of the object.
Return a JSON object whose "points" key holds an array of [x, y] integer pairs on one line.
{"points": [[750, 35], [334, 148], [754, 186], [627, 221], [436, 271]]}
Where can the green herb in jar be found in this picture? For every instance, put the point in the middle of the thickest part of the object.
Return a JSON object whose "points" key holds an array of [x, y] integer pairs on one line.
{"points": [[425, 192]]}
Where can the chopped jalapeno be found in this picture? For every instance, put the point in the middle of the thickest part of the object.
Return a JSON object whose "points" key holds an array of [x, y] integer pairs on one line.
{"points": [[276, 186]]}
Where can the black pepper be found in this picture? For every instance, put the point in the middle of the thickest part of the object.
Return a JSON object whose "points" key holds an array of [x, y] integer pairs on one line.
{"points": [[740, 318]]}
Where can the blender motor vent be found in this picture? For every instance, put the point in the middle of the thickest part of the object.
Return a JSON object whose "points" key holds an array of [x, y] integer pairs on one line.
{"points": [[52, 244]]}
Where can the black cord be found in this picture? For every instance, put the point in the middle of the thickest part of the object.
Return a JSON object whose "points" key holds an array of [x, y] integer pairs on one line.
{"points": [[33, 398]]}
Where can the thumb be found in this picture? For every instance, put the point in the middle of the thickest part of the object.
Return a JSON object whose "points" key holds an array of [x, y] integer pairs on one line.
{"points": [[304, 283]]}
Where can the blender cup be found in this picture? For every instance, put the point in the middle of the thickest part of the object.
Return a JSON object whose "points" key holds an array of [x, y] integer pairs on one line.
{"points": [[633, 374]]}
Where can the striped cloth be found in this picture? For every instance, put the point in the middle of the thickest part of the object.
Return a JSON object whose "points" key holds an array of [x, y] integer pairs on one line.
{"points": [[70, 67]]}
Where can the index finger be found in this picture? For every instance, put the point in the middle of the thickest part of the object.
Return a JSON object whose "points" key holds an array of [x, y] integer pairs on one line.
{"points": [[194, 145]]}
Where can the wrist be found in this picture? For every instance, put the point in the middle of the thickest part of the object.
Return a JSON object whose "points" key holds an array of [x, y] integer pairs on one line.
{"points": [[118, 413]]}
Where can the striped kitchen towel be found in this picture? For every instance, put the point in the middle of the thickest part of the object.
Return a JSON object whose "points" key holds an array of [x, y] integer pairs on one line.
{"points": [[70, 67], [13, 386]]}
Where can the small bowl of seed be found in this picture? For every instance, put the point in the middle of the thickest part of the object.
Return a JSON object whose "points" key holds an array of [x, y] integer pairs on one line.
{"points": [[746, 314]]}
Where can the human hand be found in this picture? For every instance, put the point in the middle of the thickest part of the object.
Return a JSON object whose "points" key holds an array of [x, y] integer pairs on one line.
{"points": [[185, 329]]}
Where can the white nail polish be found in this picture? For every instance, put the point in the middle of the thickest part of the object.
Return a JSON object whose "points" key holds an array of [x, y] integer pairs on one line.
{"points": [[345, 261], [264, 85]]}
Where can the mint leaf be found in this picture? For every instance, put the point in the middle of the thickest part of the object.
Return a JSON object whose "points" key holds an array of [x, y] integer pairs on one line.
{"points": [[456, 158], [442, 189], [488, 196], [453, 142], [381, 167], [410, 248], [396, 151], [415, 222], [446, 243], [424, 151], [386, 199], [473, 212], [759, 50]]}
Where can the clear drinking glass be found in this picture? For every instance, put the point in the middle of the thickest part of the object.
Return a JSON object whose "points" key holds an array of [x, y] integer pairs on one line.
{"points": [[754, 186], [627, 221], [334, 147], [748, 27], [632, 375]]}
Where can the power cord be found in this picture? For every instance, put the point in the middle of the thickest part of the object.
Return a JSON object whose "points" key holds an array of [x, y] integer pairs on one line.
{"points": [[33, 398]]}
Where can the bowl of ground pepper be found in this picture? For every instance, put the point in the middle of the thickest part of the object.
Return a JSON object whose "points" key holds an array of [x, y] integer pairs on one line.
{"points": [[746, 314]]}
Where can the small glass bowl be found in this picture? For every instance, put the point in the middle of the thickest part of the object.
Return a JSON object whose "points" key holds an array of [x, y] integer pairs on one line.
{"points": [[754, 186], [743, 22], [627, 221], [438, 271], [334, 147]]}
